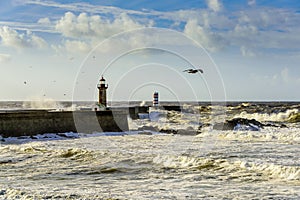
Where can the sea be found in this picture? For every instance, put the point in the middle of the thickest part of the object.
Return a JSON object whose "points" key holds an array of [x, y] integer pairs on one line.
{"points": [[165, 154]]}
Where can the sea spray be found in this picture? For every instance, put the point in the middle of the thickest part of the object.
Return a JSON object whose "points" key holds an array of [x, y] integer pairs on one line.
{"points": [[143, 103], [42, 103]]}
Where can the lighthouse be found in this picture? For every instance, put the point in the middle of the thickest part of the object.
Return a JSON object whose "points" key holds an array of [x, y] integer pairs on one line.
{"points": [[102, 87], [155, 99]]}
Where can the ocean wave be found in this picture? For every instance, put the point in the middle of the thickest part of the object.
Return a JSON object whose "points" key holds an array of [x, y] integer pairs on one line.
{"points": [[235, 169], [39, 137], [28, 148], [160, 119], [294, 118], [111, 167], [287, 135], [187, 162], [27, 194], [75, 154], [289, 173], [267, 117]]}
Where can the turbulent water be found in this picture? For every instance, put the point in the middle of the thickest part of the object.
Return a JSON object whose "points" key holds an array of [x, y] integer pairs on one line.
{"points": [[147, 164]]}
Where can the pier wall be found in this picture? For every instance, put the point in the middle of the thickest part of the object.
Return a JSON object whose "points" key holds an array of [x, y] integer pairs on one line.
{"points": [[134, 111], [131, 111], [20, 123]]}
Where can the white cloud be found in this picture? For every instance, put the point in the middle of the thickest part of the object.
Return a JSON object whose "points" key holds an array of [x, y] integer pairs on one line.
{"points": [[24, 26], [84, 7], [259, 30], [280, 78], [245, 36], [211, 41], [86, 26], [252, 30], [12, 38], [75, 46], [87, 31], [4, 58], [214, 5], [247, 52], [45, 21], [245, 30], [36, 41], [251, 2]]}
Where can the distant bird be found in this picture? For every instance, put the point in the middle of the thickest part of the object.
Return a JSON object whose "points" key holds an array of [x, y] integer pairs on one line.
{"points": [[25, 82], [193, 71]]}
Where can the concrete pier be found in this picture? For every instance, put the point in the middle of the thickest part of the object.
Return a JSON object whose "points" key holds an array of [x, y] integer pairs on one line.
{"points": [[134, 111], [32, 122]]}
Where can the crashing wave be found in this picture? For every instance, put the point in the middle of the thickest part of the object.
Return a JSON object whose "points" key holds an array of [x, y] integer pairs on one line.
{"points": [[267, 117], [294, 118], [272, 170], [269, 170]]}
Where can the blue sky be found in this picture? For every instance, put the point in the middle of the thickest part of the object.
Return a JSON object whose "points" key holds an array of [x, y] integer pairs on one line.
{"points": [[249, 50]]}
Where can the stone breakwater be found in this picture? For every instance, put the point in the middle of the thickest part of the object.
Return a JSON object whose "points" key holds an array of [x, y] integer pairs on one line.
{"points": [[33, 122]]}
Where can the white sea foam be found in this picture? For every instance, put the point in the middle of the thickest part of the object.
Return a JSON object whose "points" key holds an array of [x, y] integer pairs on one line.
{"points": [[167, 120], [276, 117], [287, 135], [125, 165], [272, 170], [133, 166], [40, 137], [237, 168], [158, 115], [185, 162], [143, 103]]}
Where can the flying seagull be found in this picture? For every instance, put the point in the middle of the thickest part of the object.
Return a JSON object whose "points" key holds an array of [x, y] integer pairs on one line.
{"points": [[193, 71]]}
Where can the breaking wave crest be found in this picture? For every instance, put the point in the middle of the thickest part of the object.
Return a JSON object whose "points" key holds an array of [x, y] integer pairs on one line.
{"points": [[287, 173], [237, 168], [273, 117], [169, 161], [294, 117], [40, 149], [288, 135]]}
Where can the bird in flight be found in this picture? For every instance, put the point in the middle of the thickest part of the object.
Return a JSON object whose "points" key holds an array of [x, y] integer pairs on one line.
{"points": [[193, 71]]}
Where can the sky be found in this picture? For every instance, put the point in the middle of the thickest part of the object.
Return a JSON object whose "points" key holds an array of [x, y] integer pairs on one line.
{"points": [[249, 50]]}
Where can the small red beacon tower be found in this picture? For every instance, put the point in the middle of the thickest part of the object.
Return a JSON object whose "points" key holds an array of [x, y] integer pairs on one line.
{"points": [[155, 99]]}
